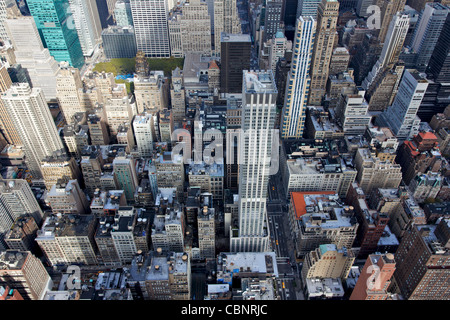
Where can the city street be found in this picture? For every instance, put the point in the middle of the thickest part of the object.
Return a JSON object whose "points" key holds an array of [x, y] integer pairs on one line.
{"points": [[288, 283]]}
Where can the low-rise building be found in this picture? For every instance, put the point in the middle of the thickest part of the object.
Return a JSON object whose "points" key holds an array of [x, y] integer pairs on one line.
{"points": [[318, 218], [254, 288], [320, 289], [67, 197], [374, 172], [22, 234], [327, 261], [320, 125], [22, 267], [59, 166], [68, 239], [158, 276], [312, 165], [246, 264], [210, 178], [168, 230]]}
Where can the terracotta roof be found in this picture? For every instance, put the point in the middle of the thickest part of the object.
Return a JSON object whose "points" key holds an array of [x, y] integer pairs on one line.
{"points": [[427, 135], [298, 200], [213, 65], [412, 148]]}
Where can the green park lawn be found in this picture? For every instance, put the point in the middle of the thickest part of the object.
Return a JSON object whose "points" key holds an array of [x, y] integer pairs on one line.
{"points": [[125, 66]]}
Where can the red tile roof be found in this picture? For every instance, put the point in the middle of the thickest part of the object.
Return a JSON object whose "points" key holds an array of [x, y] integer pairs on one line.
{"points": [[298, 200]]}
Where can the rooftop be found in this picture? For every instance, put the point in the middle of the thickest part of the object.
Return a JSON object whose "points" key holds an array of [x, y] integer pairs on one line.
{"points": [[12, 259], [10, 185], [302, 200], [110, 280], [65, 226], [388, 238], [254, 262], [231, 37], [428, 234], [327, 287], [215, 169], [259, 82], [389, 193]]}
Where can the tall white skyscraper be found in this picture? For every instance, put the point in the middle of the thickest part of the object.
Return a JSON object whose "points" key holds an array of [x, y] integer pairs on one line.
{"points": [[401, 117], [87, 22], [392, 47], [190, 28], [297, 85], [259, 95], [226, 19], [34, 123], [31, 54], [3, 15], [150, 27]]}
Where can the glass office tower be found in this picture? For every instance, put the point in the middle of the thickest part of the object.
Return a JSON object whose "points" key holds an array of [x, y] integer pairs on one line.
{"points": [[56, 26]]}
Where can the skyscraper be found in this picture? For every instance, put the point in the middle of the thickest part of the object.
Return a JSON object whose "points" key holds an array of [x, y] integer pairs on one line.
{"points": [[122, 13], [68, 83], [395, 37], [279, 44], [190, 28], [30, 53], [327, 15], [3, 15], [31, 116], [206, 233], [297, 89], [143, 128], [427, 32], [401, 116], [178, 96], [235, 57], [439, 64], [290, 17], [226, 19], [87, 23], [150, 26], [351, 112], [388, 9], [6, 126], [56, 25], [119, 42], [273, 20], [258, 120]]}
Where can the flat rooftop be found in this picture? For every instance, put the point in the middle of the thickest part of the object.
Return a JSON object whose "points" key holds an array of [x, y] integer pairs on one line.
{"points": [[259, 82], [301, 200], [256, 262], [232, 37], [215, 169], [12, 259]]}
